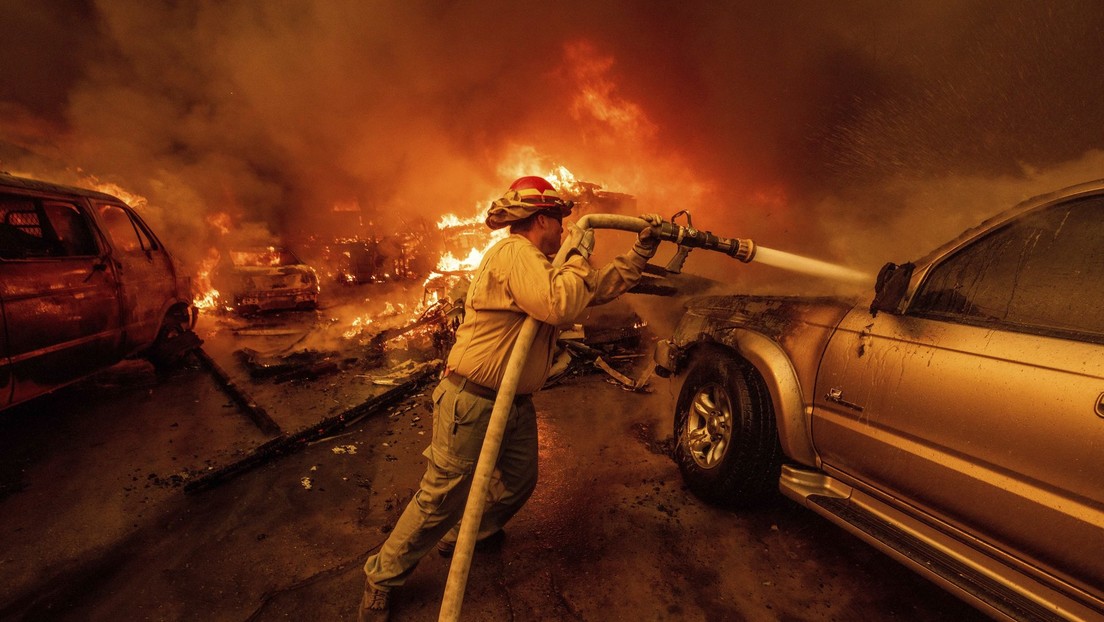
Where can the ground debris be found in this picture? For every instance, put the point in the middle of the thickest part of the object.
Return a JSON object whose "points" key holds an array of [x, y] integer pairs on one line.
{"points": [[299, 365], [402, 372], [600, 346], [626, 383], [255, 411], [176, 480], [287, 444]]}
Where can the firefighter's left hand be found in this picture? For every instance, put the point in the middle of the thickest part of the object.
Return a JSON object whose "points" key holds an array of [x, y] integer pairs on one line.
{"points": [[648, 240], [585, 245]]}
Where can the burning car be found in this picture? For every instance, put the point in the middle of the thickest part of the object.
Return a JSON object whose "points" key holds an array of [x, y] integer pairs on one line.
{"points": [[84, 283], [266, 279], [955, 421]]}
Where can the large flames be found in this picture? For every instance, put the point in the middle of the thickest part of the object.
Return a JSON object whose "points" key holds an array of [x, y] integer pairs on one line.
{"points": [[462, 240], [473, 234], [465, 239]]}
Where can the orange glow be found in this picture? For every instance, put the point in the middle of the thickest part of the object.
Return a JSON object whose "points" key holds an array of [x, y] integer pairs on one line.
{"points": [[221, 221], [597, 95]]}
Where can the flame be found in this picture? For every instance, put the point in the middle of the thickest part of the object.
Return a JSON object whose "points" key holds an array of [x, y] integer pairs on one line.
{"points": [[452, 220], [207, 300], [136, 201], [564, 180], [357, 326], [265, 256], [207, 297]]}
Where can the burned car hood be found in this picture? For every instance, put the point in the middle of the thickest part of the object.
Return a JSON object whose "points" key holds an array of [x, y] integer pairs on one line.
{"points": [[271, 271]]}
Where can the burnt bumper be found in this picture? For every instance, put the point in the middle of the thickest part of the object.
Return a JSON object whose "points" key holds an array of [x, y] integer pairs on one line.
{"points": [[668, 358]]}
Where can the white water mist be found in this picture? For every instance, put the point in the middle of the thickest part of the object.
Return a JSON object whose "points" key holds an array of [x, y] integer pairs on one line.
{"points": [[805, 265]]}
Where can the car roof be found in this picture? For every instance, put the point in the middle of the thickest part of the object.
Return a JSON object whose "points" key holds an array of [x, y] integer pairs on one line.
{"points": [[1027, 205], [24, 183]]}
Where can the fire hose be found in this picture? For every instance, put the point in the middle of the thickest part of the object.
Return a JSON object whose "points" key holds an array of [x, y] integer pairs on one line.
{"points": [[686, 238]]}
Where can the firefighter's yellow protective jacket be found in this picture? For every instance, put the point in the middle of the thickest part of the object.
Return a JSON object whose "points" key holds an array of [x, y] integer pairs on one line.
{"points": [[516, 280]]}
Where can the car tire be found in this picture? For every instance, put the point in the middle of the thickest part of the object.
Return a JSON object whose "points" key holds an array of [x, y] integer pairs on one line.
{"points": [[175, 340], [726, 437]]}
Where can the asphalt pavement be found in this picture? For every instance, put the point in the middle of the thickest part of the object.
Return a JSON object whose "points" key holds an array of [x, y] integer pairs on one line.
{"points": [[98, 525]]}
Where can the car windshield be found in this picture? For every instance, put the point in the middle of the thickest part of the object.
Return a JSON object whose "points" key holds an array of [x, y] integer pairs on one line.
{"points": [[263, 257]]}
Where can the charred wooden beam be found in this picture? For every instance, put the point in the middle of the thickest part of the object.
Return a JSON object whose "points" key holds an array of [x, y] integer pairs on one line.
{"points": [[254, 410], [327, 427]]}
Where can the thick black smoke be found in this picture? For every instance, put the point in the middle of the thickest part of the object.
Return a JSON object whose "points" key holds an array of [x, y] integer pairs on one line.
{"points": [[812, 127]]}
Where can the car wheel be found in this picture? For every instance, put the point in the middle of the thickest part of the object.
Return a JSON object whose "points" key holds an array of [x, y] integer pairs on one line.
{"points": [[174, 342], [726, 438]]}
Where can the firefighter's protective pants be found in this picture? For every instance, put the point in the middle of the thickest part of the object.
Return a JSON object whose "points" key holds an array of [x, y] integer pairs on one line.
{"points": [[459, 424]]}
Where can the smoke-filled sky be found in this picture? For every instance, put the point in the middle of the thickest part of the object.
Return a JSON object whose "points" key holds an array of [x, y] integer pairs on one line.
{"points": [[853, 130]]}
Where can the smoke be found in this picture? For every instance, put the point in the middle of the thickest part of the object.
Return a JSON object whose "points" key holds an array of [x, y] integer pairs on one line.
{"points": [[849, 131]]}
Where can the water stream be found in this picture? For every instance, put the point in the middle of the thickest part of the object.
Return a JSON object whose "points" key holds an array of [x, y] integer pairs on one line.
{"points": [[805, 265]]}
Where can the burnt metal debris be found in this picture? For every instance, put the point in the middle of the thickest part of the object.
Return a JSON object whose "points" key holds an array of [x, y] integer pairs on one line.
{"points": [[609, 345], [287, 444], [255, 411], [299, 365]]}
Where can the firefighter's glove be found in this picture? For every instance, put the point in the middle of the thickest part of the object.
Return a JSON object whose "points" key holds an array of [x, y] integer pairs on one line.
{"points": [[585, 245], [648, 240]]}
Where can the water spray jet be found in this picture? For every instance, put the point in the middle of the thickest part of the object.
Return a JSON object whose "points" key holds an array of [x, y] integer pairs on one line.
{"points": [[806, 265]]}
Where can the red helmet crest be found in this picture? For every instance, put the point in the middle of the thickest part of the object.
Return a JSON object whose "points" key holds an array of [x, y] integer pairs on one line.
{"points": [[536, 191]]}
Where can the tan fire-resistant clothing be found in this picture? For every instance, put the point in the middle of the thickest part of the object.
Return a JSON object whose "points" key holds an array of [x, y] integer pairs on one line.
{"points": [[459, 424], [515, 280]]}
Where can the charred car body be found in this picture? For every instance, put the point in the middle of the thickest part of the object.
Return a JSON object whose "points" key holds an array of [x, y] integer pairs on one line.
{"points": [[84, 283], [956, 422], [266, 279]]}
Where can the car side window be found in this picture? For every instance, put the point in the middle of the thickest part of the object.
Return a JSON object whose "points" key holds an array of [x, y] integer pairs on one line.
{"points": [[71, 229], [126, 231], [1042, 273], [31, 229]]}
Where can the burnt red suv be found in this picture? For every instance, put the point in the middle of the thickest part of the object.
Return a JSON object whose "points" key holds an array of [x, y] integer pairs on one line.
{"points": [[84, 283]]}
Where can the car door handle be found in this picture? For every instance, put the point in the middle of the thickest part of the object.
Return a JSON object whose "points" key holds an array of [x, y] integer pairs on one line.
{"points": [[835, 394], [1100, 406]]}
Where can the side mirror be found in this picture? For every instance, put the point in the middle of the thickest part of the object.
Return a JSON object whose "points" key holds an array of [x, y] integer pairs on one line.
{"points": [[890, 288]]}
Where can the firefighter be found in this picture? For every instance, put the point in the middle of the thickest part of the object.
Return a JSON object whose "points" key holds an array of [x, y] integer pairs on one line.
{"points": [[515, 279]]}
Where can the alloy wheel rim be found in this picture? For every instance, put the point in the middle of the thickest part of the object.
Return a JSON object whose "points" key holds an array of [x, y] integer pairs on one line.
{"points": [[708, 431]]}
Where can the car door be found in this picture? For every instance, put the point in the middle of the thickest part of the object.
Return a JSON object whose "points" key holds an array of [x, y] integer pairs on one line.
{"points": [[981, 405], [60, 298], [146, 274]]}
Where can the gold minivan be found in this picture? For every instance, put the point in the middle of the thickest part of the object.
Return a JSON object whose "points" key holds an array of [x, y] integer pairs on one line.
{"points": [[954, 419], [84, 283]]}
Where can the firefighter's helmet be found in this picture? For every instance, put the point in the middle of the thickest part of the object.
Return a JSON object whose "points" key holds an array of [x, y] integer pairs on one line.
{"points": [[527, 196]]}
